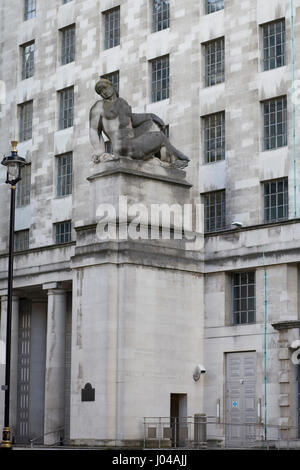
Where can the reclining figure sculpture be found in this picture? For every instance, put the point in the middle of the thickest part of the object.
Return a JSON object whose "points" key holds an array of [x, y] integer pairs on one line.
{"points": [[139, 136]]}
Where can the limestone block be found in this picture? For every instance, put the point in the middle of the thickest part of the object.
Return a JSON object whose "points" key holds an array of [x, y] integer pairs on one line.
{"points": [[283, 399], [283, 354], [283, 377], [283, 423]]}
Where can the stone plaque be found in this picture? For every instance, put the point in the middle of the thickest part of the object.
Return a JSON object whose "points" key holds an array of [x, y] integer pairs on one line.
{"points": [[88, 393]]}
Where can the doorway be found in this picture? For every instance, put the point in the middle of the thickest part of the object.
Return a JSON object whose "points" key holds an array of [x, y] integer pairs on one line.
{"points": [[241, 414], [178, 415], [31, 371]]}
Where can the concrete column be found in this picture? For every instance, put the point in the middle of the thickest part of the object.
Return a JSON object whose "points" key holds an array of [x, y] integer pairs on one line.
{"points": [[55, 363], [37, 367], [13, 361]]}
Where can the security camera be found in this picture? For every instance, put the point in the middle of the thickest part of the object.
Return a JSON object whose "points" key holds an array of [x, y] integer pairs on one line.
{"points": [[200, 369], [237, 224]]}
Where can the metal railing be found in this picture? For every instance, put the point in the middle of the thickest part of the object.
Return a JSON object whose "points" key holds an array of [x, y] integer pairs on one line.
{"points": [[175, 432], [58, 440], [208, 432]]}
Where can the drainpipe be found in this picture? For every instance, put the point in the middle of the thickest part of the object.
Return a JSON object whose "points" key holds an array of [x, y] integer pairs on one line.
{"points": [[265, 345], [294, 123]]}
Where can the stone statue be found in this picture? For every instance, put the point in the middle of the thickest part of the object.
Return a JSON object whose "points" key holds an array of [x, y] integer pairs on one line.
{"points": [[139, 136]]}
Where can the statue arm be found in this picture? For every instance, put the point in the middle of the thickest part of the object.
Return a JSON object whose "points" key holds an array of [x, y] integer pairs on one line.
{"points": [[138, 119], [96, 137]]}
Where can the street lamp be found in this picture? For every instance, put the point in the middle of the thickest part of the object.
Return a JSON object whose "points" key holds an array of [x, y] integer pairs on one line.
{"points": [[14, 165]]}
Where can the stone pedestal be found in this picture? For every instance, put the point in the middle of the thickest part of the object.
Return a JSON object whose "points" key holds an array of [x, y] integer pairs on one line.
{"points": [[137, 309]]}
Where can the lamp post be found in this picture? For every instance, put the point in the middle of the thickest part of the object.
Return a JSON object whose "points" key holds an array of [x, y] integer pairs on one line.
{"points": [[14, 165]]}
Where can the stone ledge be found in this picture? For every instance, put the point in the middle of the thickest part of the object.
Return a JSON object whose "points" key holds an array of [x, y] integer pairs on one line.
{"points": [[286, 325], [150, 255], [142, 169]]}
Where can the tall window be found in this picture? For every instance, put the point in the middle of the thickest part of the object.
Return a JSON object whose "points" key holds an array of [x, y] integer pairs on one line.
{"points": [[160, 15], [214, 137], [243, 297], [62, 232], [114, 78], [64, 175], [276, 200], [68, 45], [66, 108], [160, 79], [21, 240], [273, 44], [25, 121], [214, 5], [29, 9], [214, 62], [275, 123], [28, 60], [112, 28], [24, 187], [214, 211], [108, 147]]}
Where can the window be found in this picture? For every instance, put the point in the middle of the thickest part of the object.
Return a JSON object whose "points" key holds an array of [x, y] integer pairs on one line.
{"points": [[62, 232], [66, 108], [273, 45], [21, 240], [112, 28], [214, 62], [108, 147], [243, 297], [68, 45], [64, 175], [275, 123], [114, 78], [214, 5], [160, 15], [160, 79], [214, 211], [28, 60], [24, 187], [276, 205], [25, 121], [214, 137], [29, 9]]}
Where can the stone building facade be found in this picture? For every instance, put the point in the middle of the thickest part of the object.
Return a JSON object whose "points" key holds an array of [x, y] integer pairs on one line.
{"points": [[134, 320]]}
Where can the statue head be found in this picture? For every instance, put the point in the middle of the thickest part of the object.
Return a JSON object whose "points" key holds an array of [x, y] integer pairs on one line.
{"points": [[105, 89]]}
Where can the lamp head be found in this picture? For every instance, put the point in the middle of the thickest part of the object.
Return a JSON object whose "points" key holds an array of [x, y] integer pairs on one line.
{"points": [[14, 164]]}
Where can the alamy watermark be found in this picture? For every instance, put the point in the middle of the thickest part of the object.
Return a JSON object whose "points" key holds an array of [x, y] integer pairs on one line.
{"points": [[138, 221], [296, 354]]}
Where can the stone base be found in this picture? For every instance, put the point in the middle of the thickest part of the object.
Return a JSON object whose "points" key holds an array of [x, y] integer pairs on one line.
{"points": [[137, 314]]}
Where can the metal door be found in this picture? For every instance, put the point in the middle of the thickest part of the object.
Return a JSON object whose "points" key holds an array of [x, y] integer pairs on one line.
{"points": [[240, 399], [31, 371]]}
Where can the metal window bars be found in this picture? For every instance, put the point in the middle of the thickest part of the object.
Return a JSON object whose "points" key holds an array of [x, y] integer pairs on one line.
{"points": [[160, 15], [112, 28]]}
